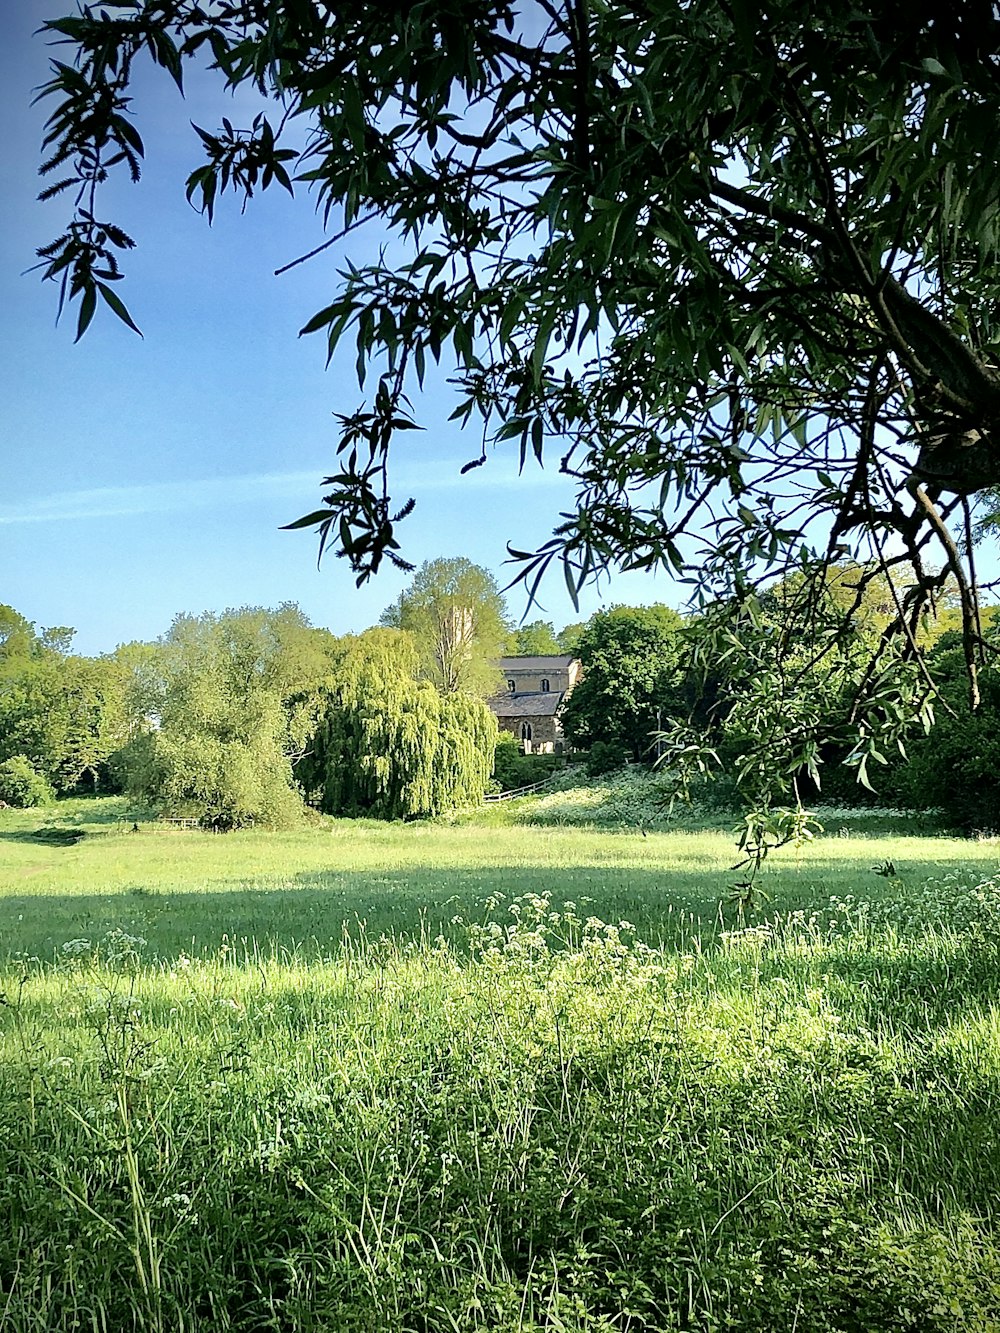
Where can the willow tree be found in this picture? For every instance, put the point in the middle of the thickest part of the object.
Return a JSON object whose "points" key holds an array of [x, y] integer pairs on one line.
{"points": [[735, 267], [392, 746]]}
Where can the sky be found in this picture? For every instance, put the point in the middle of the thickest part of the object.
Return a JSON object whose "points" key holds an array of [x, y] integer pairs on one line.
{"points": [[147, 477]]}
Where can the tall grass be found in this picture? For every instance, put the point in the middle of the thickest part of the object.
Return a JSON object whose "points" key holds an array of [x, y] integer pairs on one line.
{"points": [[535, 1119], [184, 891]]}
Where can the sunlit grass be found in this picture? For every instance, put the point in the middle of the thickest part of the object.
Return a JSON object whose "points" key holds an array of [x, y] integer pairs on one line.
{"points": [[554, 1118], [184, 890]]}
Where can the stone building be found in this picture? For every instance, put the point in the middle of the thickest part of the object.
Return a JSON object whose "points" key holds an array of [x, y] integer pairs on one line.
{"points": [[536, 689]]}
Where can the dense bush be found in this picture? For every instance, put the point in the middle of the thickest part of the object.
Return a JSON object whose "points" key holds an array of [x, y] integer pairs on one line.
{"points": [[956, 767], [512, 768], [21, 785], [226, 785], [234, 696], [605, 757]]}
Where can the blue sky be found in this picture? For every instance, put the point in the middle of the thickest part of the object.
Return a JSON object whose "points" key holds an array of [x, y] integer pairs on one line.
{"points": [[144, 477]]}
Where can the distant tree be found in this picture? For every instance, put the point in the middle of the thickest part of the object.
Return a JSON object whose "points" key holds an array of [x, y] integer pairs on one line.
{"points": [[459, 622], [17, 634], [232, 699], [390, 745], [536, 639], [61, 712], [796, 688], [569, 636], [955, 767], [632, 658], [21, 785]]}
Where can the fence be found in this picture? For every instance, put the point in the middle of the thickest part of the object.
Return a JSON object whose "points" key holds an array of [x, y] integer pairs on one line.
{"points": [[493, 797]]}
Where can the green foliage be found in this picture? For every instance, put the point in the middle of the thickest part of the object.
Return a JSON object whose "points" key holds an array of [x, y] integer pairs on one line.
{"points": [[225, 784], [605, 757], [536, 639], [956, 766], [17, 635], [21, 785], [800, 694], [392, 746], [65, 713], [631, 799], [234, 697], [746, 312], [512, 768], [633, 659], [569, 637], [459, 623], [737, 266]]}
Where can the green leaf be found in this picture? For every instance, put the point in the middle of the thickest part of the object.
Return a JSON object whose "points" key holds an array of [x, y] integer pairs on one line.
{"points": [[309, 520], [87, 307], [113, 300]]}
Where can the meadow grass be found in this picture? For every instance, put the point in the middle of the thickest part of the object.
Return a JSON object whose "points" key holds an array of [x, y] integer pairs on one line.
{"points": [[185, 890], [220, 1111]]}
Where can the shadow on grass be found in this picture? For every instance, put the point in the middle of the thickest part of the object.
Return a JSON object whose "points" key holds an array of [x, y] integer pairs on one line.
{"points": [[316, 909], [49, 836]]}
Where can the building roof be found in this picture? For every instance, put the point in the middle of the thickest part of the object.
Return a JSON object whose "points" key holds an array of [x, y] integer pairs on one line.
{"points": [[543, 704], [554, 663]]}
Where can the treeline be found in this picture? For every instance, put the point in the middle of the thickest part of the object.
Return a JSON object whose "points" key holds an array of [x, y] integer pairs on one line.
{"points": [[239, 719], [245, 718], [705, 696]]}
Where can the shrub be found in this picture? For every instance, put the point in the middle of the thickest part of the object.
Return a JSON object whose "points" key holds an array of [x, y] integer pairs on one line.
{"points": [[22, 786], [512, 768], [956, 766], [605, 757]]}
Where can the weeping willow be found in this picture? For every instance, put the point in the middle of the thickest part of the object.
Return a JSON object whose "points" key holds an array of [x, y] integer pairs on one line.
{"points": [[389, 745]]}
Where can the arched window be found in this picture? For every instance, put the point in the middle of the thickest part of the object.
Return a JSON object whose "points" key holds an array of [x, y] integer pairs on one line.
{"points": [[525, 731], [545, 684], [512, 686]]}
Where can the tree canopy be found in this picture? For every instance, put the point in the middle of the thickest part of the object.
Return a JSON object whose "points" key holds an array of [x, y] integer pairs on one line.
{"points": [[390, 745], [62, 713], [233, 699], [736, 269], [458, 618], [535, 639], [633, 659]]}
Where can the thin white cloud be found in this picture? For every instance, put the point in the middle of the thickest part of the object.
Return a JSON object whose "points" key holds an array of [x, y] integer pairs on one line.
{"points": [[301, 488]]}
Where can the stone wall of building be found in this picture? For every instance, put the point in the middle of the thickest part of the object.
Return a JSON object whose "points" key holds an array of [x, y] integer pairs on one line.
{"points": [[545, 736]]}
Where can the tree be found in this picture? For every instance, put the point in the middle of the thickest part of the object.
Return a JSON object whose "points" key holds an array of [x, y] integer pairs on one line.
{"points": [[458, 619], [17, 635], [232, 700], [21, 785], [569, 637], [957, 768], [63, 713], [536, 639], [737, 266], [633, 666], [390, 745]]}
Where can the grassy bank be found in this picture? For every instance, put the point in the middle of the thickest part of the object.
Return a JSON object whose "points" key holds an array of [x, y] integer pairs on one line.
{"points": [[541, 1122]]}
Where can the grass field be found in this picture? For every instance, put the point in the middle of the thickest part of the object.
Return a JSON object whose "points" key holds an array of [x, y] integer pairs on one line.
{"points": [[370, 1077], [188, 891]]}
